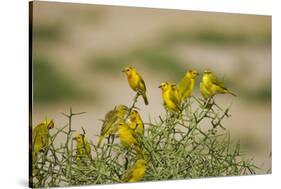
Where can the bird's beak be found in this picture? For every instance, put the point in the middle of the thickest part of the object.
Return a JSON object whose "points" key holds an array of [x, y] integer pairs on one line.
{"points": [[123, 70], [74, 138], [159, 86]]}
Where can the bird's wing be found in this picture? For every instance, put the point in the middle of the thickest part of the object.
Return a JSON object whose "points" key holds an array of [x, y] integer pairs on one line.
{"points": [[34, 133], [136, 137], [174, 99], [110, 118], [141, 84], [87, 146], [45, 140], [184, 85], [109, 114], [38, 131], [215, 81]]}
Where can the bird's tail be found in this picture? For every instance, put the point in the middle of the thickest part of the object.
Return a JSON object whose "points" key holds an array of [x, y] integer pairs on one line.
{"points": [[145, 99], [100, 140]]}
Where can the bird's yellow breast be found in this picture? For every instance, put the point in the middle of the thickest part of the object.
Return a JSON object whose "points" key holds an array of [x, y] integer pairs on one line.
{"points": [[206, 87], [137, 127], [138, 174], [133, 80], [126, 137], [167, 101]]}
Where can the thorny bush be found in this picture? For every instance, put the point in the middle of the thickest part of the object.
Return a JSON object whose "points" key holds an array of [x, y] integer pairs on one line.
{"points": [[195, 144]]}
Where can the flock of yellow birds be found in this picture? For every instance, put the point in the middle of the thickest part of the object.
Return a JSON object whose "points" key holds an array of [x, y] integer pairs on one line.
{"points": [[130, 132]]}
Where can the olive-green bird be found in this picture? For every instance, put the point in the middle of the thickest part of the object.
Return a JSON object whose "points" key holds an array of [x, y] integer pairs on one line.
{"points": [[187, 83], [111, 120], [83, 147], [136, 82], [211, 86], [136, 172], [170, 100], [40, 137]]}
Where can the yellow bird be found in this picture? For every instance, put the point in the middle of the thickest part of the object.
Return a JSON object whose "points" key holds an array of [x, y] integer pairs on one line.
{"points": [[111, 120], [170, 100], [40, 137], [136, 82], [83, 147], [136, 172], [175, 93], [126, 135], [211, 86], [187, 83], [136, 123]]}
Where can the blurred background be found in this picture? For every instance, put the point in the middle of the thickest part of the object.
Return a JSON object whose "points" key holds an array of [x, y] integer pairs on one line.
{"points": [[79, 51]]}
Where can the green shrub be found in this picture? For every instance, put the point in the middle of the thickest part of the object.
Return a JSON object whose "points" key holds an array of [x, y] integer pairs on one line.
{"points": [[193, 145]]}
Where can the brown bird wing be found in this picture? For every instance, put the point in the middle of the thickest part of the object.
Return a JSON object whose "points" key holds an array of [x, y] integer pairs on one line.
{"points": [[109, 120]]}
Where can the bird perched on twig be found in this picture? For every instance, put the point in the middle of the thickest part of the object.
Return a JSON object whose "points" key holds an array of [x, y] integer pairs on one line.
{"points": [[128, 138], [83, 147], [136, 172], [40, 137], [136, 123], [171, 101], [211, 86], [111, 120], [136, 82], [186, 84]]}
